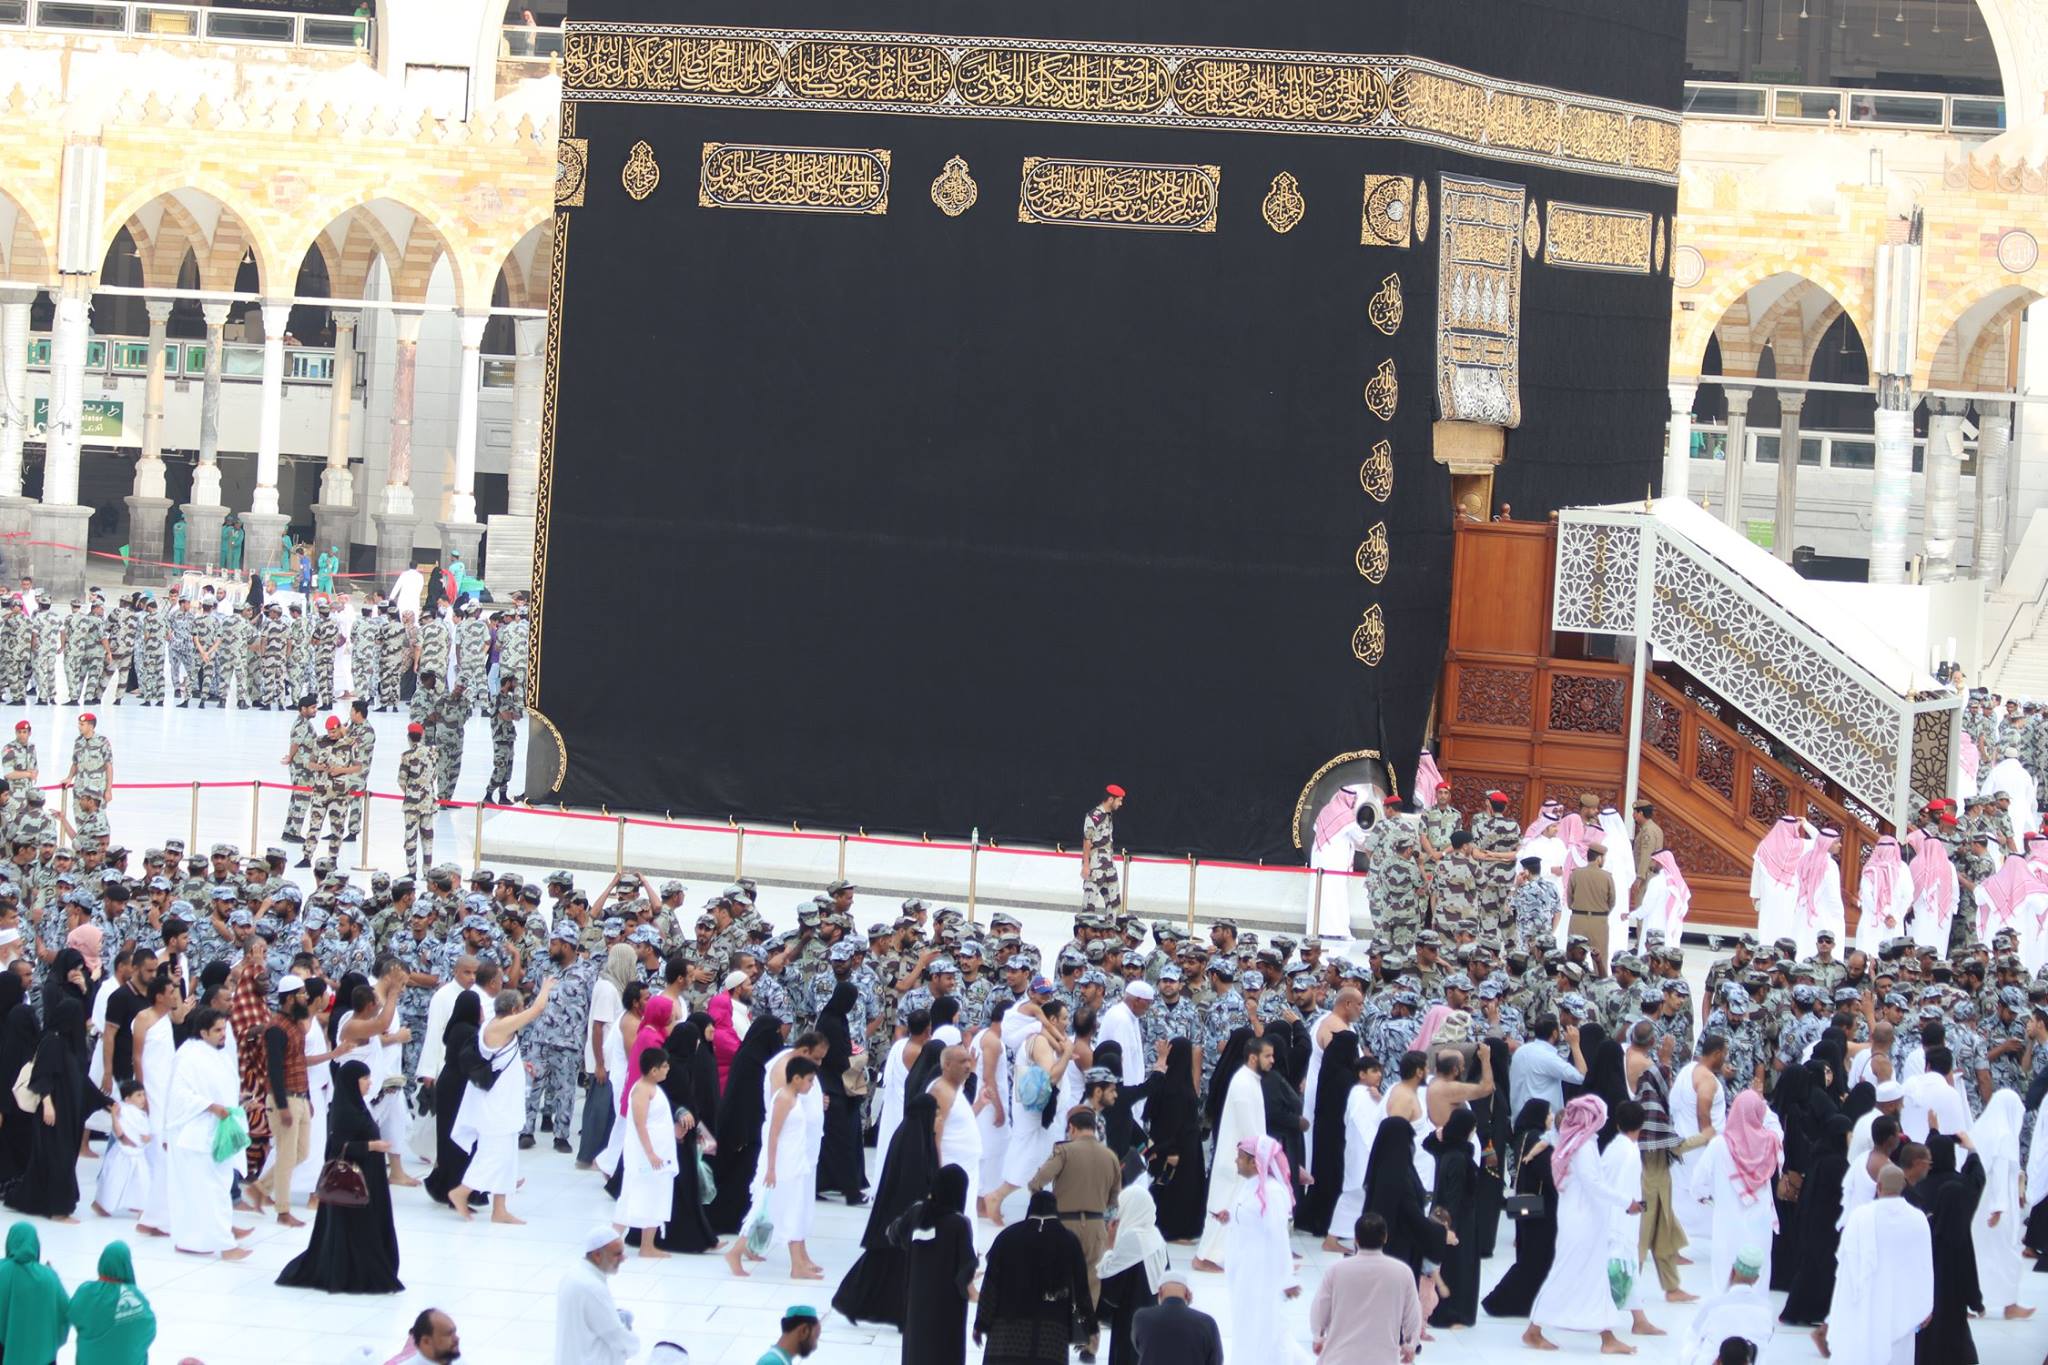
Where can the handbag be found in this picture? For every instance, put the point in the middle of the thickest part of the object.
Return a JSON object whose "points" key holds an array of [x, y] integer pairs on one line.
{"points": [[856, 1078], [23, 1096], [341, 1184], [1521, 1206]]}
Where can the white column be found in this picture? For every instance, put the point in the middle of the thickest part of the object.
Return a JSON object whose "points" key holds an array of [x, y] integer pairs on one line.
{"points": [[1894, 476], [1738, 440], [337, 485], [1790, 402], [270, 416], [15, 408], [206, 474], [1678, 456], [522, 476], [462, 502], [394, 514], [1994, 441], [1944, 483], [68, 336], [149, 470]]}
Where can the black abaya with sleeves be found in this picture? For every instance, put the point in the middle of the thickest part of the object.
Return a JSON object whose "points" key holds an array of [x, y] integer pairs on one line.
{"points": [[938, 1242], [1336, 1076], [1535, 1238], [49, 1185], [1496, 1135], [841, 1167], [1819, 1209], [352, 1250], [876, 1286], [459, 1059], [1946, 1339], [19, 1033], [741, 1119], [692, 1084], [1283, 1121], [1034, 1291], [1791, 1099], [1457, 1182], [1394, 1191], [1174, 1116]]}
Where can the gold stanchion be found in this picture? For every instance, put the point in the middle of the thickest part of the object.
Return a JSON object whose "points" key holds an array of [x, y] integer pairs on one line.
{"points": [[255, 817], [192, 845], [739, 852], [363, 831], [841, 874], [64, 801], [973, 874], [1193, 862], [1315, 914], [476, 839], [1130, 900], [619, 854]]}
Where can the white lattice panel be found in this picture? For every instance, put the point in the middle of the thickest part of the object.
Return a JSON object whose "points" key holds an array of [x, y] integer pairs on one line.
{"points": [[1598, 563]]}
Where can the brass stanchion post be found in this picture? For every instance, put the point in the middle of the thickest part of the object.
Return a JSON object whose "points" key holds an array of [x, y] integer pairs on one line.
{"points": [[619, 855], [255, 817], [192, 844], [1193, 862], [841, 874], [1315, 915]]}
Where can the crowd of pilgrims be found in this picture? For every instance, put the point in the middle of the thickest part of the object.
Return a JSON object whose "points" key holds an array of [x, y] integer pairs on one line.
{"points": [[719, 1078]]}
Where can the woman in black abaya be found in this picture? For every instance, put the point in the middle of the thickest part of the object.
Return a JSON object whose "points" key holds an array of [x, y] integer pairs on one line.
{"points": [[1791, 1100], [1946, 1339], [841, 1168], [1590, 1038], [739, 1130], [19, 1034], [938, 1242], [1034, 1291], [1336, 1077], [691, 1084], [1394, 1191], [1457, 1188], [1496, 1136], [1535, 1237], [1819, 1209], [1227, 1066], [352, 1250], [1607, 1077], [459, 1059], [875, 1288], [1174, 1116], [49, 1185]]}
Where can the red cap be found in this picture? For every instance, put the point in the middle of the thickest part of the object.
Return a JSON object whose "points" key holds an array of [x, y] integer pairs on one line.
{"points": [[21, 725], [1943, 803], [1949, 820], [415, 731], [334, 722], [1496, 796], [1443, 786], [91, 717], [1114, 790]]}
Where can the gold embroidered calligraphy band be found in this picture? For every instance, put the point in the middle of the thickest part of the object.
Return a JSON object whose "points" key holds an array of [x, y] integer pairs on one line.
{"points": [[1119, 194], [1236, 89], [794, 179], [1480, 225], [1578, 237]]}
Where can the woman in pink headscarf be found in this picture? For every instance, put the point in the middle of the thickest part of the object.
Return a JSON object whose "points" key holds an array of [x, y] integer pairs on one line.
{"points": [[1774, 878], [1666, 899], [1575, 1296], [657, 1014], [1736, 1177], [1819, 897], [1883, 896], [1258, 1263]]}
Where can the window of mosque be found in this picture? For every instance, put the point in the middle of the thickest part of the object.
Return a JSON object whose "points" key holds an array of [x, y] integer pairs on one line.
{"points": [[1937, 46]]}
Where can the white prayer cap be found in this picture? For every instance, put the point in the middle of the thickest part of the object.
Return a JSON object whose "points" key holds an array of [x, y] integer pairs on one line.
{"points": [[733, 979], [8, 936], [1138, 990], [288, 983], [1890, 1091], [600, 1236]]}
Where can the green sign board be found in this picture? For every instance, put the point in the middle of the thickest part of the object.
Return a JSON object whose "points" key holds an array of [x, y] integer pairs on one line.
{"points": [[1764, 533], [102, 417]]}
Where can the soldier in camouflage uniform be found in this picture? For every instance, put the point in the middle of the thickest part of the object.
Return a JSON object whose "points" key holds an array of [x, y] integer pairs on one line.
{"points": [[1171, 1016], [506, 713], [48, 631], [272, 645], [1455, 880], [323, 637], [429, 703], [210, 646], [556, 1037], [1394, 879], [248, 661], [514, 641], [298, 759], [15, 648], [298, 658], [1439, 823], [1802, 1029], [1224, 1016], [1973, 866], [330, 798], [121, 647], [426, 954], [973, 989], [1100, 892], [2005, 1039], [178, 623], [85, 653], [366, 651], [433, 645], [92, 761], [19, 762], [401, 649], [417, 787], [473, 651], [151, 637], [1533, 904]]}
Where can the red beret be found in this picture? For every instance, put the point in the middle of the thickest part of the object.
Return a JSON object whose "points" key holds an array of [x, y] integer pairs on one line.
{"points": [[1948, 820], [21, 725], [1443, 786], [1496, 796], [91, 717], [1114, 790], [334, 722], [414, 730]]}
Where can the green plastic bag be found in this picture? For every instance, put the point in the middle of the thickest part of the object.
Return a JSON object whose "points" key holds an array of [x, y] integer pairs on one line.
{"points": [[230, 1136], [760, 1232], [1621, 1278], [707, 1188]]}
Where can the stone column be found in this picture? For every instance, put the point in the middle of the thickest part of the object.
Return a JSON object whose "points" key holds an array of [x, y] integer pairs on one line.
{"points": [[394, 516], [205, 513], [511, 544], [461, 532], [1944, 484], [1790, 401], [1994, 443], [1894, 476], [59, 523], [264, 523], [147, 505], [17, 410], [1678, 456], [335, 513], [1731, 469]]}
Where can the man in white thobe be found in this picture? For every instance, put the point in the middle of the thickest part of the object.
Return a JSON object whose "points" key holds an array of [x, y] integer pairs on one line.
{"points": [[407, 591], [204, 1089], [2011, 777], [1774, 877], [589, 1328], [433, 1050], [1884, 1280], [1120, 1026], [1744, 1309], [1244, 1116], [1621, 866]]}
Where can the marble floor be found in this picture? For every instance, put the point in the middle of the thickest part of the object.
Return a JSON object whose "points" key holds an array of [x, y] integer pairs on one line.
{"points": [[498, 1282]]}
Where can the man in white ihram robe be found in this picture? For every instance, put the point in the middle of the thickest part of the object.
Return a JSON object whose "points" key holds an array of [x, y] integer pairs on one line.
{"points": [[1884, 1279], [589, 1328], [1244, 1116], [204, 1089], [2011, 777]]}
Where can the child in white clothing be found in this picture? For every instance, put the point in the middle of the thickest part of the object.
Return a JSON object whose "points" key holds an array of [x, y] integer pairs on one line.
{"points": [[124, 1170]]}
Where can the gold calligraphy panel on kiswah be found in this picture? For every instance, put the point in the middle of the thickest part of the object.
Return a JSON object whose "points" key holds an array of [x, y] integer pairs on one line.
{"points": [[1479, 301], [1155, 85], [794, 179], [1119, 194], [1580, 237]]}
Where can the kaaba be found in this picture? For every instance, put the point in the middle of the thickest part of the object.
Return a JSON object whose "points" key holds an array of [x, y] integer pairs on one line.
{"points": [[954, 408]]}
